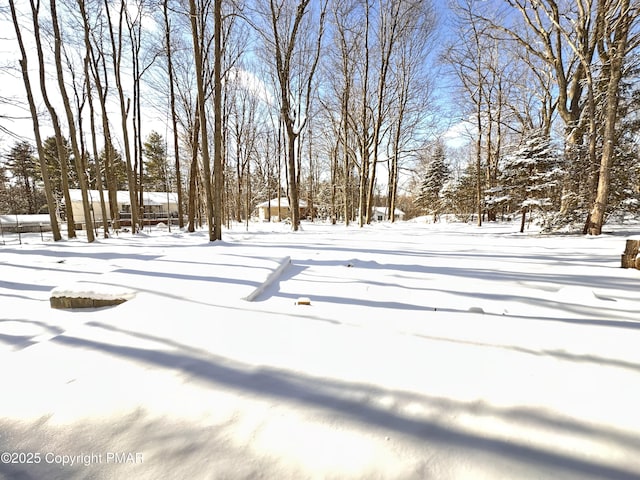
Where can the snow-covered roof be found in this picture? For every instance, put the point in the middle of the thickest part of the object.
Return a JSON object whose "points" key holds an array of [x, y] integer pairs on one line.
{"points": [[150, 198], [25, 219], [384, 210], [284, 203]]}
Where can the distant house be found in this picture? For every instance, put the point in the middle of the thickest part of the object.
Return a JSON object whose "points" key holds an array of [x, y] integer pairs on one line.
{"points": [[157, 205], [379, 214], [269, 209]]}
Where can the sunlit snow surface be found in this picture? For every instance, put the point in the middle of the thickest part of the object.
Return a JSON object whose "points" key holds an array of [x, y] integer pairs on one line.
{"points": [[428, 351]]}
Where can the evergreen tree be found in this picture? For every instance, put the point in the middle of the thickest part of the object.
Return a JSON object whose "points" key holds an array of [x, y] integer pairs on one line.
{"points": [[531, 175], [624, 195], [157, 176], [119, 170], [53, 166], [430, 198], [21, 163], [5, 190], [460, 195]]}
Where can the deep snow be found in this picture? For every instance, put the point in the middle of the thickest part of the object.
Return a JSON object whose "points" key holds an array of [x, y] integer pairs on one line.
{"points": [[428, 351]]}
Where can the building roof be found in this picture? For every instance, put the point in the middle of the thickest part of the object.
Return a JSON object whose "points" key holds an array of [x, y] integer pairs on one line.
{"points": [[25, 219], [384, 210], [150, 198]]}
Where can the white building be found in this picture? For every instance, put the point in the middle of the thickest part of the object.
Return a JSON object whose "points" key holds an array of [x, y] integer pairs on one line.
{"points": [[379, 214]]}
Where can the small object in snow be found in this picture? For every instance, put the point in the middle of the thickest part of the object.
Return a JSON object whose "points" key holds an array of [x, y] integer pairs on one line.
{"points": [[88, 295], [303, 301], [476, 310], [61, 261]]}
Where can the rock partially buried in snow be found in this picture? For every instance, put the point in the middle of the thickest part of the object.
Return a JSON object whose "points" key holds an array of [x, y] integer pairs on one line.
{"points": [[476, 310], [89, 295], [303, 301]]}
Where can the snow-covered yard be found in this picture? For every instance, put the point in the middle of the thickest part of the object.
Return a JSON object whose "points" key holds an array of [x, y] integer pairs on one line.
{"points": [[428, 351]]}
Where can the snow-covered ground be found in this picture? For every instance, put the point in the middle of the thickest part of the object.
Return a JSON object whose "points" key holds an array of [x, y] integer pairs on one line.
{"points": [[428, 351]]}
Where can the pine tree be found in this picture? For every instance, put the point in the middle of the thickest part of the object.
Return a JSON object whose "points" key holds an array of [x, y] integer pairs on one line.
{"points": [[531, 174], [53, 166], [430, 198], [119, 170], [460, 195], [5, 190], [22, 165], [156, 168]]}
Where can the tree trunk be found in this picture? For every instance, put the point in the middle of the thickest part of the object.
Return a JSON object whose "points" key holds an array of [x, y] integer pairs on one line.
{"points": [[218, 171], [103, 207], [124, 113], [193, 173], [616, 55], [174, 115], [60, 148], [204, 135], [82, 178], [628, 260], [36, 128], [106, 129]]}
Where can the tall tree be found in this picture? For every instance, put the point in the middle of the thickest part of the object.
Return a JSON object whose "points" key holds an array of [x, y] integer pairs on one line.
{"points": [[71, 125], [411, 89], [62, 152], [468, 57], [564, 35], [198, 31], [287, 30], [116, 38], [174, 114], [94, 39], [218, 171], [617, 19], [36, 125]]}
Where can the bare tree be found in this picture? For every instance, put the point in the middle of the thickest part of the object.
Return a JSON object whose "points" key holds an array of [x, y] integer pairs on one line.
{"points": [[198, 20], [411, 92], [36, 126], [116, 38], [564, 35], [98, 68], [217, 124], [469, 62], [172, 103], [79, 161], [286, 27], [61, 149]]}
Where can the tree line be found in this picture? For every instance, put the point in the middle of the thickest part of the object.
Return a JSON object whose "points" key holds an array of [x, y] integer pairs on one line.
{"points": [[551, 89], [331, 101]]}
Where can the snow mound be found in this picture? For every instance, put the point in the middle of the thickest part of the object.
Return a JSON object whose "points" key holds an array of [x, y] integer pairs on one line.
{"points": [[283, 263]]}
